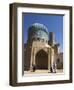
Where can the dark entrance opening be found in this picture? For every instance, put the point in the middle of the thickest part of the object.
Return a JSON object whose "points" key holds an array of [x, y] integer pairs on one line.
{"points": [[41, 60]]}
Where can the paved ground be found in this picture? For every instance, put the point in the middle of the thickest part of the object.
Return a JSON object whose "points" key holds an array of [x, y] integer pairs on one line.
{"points": [[42, 71]]}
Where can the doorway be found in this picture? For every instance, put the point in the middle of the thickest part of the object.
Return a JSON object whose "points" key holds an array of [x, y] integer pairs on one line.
{"points": [[41, 60]]}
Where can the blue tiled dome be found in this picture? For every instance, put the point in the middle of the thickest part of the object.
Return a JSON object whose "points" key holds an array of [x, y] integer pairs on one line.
{"points": [[38, 31], [38, 26]]}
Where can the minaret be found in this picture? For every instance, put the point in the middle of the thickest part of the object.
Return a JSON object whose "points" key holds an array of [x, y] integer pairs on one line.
{"points": [[51, 38]]}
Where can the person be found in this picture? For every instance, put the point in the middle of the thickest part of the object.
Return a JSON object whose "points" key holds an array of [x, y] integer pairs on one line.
{"points": [[54, 67], [34, 68], [51, 69]]}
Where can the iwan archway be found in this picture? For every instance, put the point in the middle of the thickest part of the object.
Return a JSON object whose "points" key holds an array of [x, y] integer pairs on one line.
{"points": [[41, 60]]}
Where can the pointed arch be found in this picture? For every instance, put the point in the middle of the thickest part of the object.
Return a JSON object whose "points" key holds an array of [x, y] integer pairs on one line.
{"points": [[41, 59]]}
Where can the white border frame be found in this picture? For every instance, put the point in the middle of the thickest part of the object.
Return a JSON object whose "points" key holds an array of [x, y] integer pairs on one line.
{"points": [[66, 36]]}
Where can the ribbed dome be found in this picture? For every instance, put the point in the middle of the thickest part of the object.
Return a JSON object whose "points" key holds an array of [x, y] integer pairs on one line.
{"points": [[38, 26], [37, 31]]}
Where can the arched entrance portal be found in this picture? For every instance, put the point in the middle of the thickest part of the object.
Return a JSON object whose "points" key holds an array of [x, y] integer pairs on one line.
{"points": [[42, 60]]}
